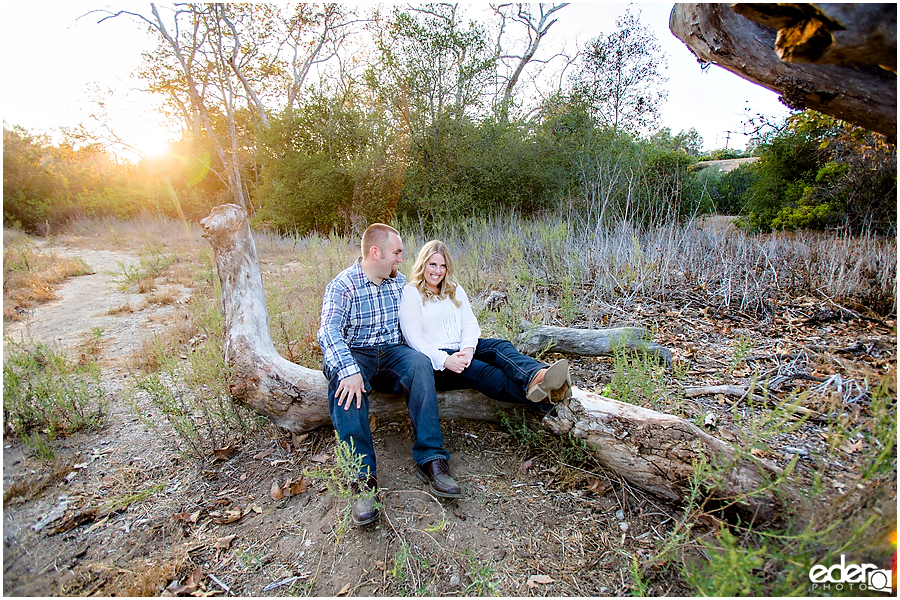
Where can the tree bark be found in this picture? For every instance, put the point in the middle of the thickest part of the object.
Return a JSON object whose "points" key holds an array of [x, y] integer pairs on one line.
{"points": [[715, 33], [830, 33], [653, 451]]}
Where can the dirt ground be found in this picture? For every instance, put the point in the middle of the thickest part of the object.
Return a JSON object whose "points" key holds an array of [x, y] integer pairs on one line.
{"points": [[524, 527]]}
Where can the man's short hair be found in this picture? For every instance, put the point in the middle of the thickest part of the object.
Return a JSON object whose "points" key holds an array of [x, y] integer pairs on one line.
{"points": [[376, 235]]}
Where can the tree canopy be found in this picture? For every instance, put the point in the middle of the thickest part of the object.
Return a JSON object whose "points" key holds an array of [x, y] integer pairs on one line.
{"points": [[326, 117]]}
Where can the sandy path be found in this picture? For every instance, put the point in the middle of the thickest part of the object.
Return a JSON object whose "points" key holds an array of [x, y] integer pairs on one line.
{"points": [[87, 304]]}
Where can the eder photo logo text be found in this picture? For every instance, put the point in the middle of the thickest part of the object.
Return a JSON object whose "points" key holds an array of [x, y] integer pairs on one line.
{"points": [[850, 577]]}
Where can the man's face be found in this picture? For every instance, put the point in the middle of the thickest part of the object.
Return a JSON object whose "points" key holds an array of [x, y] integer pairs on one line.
{"points": [[389, 257]]}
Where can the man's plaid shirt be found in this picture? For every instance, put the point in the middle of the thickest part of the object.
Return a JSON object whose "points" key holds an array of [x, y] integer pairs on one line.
{"points": [[356, 313]]}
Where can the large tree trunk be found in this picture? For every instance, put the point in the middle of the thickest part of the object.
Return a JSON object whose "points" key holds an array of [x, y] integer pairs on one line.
{"points": [[653, 451], [863, 93]]}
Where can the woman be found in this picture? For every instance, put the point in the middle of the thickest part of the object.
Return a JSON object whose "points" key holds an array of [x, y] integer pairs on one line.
{"points": [[437, 320]]}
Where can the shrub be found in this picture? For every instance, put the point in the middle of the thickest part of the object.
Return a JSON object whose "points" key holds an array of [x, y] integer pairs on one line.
{"points": [[45, 396], [819, 172]]}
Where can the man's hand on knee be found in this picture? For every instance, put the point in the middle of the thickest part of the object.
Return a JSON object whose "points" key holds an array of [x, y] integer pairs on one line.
{"points": [[349, 388]]}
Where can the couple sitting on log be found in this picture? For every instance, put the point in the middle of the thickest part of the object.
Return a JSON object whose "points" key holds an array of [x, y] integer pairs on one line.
{"points": [[367, 312]]}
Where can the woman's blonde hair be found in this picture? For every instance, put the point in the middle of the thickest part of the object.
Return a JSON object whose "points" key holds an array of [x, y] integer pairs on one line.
{"points": [[447, 286]]}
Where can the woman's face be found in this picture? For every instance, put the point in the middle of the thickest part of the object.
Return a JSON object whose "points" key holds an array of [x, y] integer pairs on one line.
{"points": [[435, 270]]}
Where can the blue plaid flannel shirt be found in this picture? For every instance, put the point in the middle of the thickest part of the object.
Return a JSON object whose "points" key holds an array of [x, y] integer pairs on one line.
{"points": [[357, 313]]}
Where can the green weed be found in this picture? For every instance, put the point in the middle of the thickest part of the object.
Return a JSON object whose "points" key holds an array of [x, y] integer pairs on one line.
{"points": [[147, 268], [124, 501], [482, 576], [743, 344], [45, 396], [567, 449], [339, 478], [729, 569], [639, 377], [742, 559], [398, 565], [639, 584], [881, 457]]}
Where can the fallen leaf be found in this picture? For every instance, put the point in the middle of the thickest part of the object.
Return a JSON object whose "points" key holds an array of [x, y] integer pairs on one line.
{"points": [[379, 564], [72, 519], [344, 589], [286, 446], [189, 586], [224, 543], [320, 458], [276, 492], [599, 487], [264, 454], [296, 440], [222, 453], [527, 464], [851, 448], [188, 517], [298, 487], [229, 516], [256, 509], [536, 579]]}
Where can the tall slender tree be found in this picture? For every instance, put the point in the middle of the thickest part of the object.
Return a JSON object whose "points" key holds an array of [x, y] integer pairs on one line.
{"points": [[536, 27], [621, 79]]}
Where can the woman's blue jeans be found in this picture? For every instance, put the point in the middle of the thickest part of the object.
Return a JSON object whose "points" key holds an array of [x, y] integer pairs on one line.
{"points": [[498, 371], [391, 369]]}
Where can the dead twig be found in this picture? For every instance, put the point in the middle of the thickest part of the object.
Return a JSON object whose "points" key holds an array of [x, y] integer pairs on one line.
{"points": [[742, 393]]}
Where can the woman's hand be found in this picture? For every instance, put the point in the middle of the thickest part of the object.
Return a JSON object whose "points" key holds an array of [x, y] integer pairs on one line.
{"points": [[456, 363], [459, 361]]}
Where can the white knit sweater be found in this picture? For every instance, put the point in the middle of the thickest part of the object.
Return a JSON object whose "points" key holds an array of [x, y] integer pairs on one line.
{"points": [[437, 324]]}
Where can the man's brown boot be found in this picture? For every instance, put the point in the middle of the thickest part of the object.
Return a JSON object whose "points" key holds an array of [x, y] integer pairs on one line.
{"points": [[362, 504], [436, 474]]}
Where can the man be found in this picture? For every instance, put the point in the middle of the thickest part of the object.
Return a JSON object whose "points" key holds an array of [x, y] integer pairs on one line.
{"points": [[360, 338]]}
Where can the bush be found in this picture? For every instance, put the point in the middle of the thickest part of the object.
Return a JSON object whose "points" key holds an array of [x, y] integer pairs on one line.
{"points": [[818, 173], [35, 197], [727, 191], [45, 396]]}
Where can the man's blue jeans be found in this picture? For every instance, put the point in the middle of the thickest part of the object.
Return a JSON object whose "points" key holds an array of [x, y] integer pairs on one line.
{"points": [[392, 369], [498, 371]]}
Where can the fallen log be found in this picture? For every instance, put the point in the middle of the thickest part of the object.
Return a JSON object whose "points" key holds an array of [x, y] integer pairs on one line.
{"points": [[653, 451], [862, 94], [588, 342]]}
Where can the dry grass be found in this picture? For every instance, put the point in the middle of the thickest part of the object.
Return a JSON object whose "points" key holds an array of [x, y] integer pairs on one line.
{"points": [[32, 485], [29, 276], [133, 235], [606, 270], [179, 330], [162, 297], [123, 308]]}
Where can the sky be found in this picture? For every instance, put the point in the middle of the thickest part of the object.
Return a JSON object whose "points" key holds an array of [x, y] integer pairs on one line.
{"points": [[54, 57]]}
